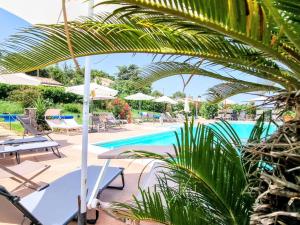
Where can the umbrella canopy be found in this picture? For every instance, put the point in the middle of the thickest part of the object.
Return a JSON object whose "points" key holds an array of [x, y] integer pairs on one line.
{"points": [[49, 11], [228, 102], [97, 92], [258, 99], [24, 79], [166, 99], [186, 105], [139, 97]]}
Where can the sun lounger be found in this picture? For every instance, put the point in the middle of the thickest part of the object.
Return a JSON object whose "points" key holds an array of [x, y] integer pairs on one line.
{"points": [[258, 113], [170, 118], [30, 146], [63, 124], [96, 122], [242, 115], [57, 122], [180, 117], [23, 140], [112, 118], [19, 173], [58, 203], [109, 120], [30, 129]]}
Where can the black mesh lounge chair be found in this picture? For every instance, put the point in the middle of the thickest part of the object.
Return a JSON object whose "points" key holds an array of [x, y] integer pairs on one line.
{"points": [[30, 129], [58, 203]]}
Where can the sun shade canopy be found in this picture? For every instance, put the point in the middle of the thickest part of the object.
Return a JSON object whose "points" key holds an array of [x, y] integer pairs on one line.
{"points": [[98, 92], [166, 99], [139, 97], [228, 102], [49, 11]]}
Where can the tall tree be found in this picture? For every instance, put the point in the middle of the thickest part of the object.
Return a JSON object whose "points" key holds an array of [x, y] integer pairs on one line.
{"points": [[130, 72], [178, 94]]}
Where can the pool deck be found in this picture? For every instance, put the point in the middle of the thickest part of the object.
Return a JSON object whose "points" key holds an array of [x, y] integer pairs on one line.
{"points": [[71, 158]]}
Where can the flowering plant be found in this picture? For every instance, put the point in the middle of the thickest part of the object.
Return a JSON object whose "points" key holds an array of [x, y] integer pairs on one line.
{"points": [[120, 109]]}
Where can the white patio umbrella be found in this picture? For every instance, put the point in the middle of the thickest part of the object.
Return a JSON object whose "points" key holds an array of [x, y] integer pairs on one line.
{"points": [[139, 97], [166, 99], [49, 11], [97, 92], [228, 102], [258, 99]]}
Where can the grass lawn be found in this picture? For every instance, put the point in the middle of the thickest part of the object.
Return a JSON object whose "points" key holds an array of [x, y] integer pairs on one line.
{"points": [[14, 126], [16, 108], [10, 107]]}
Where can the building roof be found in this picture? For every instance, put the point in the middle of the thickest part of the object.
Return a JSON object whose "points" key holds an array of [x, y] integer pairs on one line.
{"points": [[24, 79], [48, 81], [105, 81]]}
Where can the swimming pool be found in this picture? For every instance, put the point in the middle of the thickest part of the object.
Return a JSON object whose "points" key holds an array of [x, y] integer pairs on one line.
{"points": [[168, 137]]}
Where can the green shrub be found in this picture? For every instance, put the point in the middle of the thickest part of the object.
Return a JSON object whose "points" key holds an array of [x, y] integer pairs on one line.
{"points": [[148, 106], [248, 108], [73, 108], [6, 89], [41, 106], [59, 95], [11, 107], [25, 96], [208, 110]]}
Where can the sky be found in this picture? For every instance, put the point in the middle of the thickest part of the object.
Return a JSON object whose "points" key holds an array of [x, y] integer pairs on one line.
{"points": [[9, 24]]}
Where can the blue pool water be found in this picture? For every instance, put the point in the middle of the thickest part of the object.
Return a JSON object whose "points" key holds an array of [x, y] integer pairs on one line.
{"points": [[168, 137]]}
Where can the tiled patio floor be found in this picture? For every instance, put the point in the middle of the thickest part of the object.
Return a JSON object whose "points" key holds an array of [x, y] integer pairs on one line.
{"points": [[71, 154]]}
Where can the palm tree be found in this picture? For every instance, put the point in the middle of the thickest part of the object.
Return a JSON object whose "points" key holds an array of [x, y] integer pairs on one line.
{"points": [[204, 183], [231, 87], [248, 36], [259, 38]]}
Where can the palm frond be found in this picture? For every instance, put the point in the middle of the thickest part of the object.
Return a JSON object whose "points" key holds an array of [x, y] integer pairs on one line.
{"points": [[42, 45], [222, 91], [246, 21], [208, 179], [261, 128], [286, 16], [160, 70]]}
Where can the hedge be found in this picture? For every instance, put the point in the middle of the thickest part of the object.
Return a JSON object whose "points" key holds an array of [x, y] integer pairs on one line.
{"points": [[53, 94]]}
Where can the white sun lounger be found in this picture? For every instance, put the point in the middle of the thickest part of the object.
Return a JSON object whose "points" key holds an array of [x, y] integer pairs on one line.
{"points": [[30, 146], [63, 124], [58, 203]]}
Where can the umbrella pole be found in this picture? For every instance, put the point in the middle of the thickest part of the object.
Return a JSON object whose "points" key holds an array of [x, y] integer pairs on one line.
{"points": [[85, 130], [140, 107]]}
